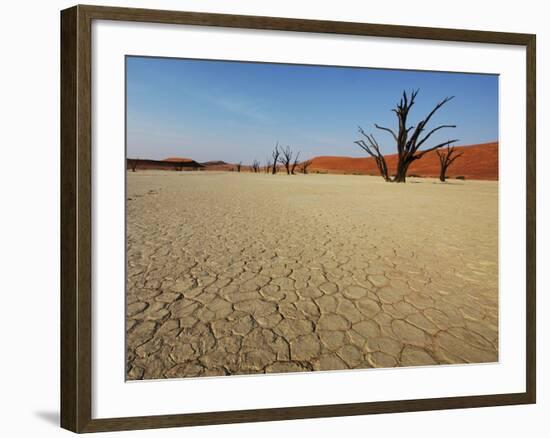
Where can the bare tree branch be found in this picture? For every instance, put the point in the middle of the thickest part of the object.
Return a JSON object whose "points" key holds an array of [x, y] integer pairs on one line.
{"points": [[373, 149], [304, 166], [275, 154], [440, 145], [446, 158], [295, 163], [394, 135], [286, 158], [431, 132], [412, 144]]}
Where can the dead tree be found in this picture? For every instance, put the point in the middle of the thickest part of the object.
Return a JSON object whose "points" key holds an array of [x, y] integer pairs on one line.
{"points": [[408, 139], [267, 166], [255, 166], [446, 158], [239, 165], [133, 164], [295, 163], [286, 158], [372, 148], [304, 165], [275, 155]]}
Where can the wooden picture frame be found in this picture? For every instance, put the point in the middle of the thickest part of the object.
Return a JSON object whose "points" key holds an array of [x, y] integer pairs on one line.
{"points": [[76, 217]]}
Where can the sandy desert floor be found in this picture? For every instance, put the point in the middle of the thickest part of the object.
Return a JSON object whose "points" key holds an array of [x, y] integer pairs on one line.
{"points": [[250, 273]]}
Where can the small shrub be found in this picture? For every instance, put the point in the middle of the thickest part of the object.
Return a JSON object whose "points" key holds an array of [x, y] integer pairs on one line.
{"points": [[460, 177]]}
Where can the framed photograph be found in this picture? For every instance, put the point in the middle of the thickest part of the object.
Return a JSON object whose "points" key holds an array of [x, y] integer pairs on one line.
{"points": [[270, 218]]}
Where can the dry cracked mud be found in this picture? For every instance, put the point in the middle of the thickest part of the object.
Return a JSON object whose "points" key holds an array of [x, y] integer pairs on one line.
{"points": [[239, 273]]}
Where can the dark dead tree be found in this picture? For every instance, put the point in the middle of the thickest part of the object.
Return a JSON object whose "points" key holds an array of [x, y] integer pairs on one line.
{"points": [[255, 166], [446, 158], [295, 163], [133, 164], [267, 166], [372, 148], [410, 139], [239, 165], [286, 158], [304, 166], [275, 155]]}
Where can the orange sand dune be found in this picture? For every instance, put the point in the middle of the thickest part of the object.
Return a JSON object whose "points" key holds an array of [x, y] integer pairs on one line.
{"points": [[178, 160], [478, 162]]}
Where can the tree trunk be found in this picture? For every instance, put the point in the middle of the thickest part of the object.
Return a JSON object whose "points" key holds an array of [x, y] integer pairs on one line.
{"points": [[442, 173], [382, 168], [401, 175]]}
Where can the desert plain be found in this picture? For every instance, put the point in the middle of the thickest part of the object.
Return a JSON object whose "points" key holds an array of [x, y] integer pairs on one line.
{"points": [[242, 273]]}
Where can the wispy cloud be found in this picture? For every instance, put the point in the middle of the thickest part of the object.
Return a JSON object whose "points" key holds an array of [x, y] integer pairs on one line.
{"points": [[240, 106], [233, 103]]}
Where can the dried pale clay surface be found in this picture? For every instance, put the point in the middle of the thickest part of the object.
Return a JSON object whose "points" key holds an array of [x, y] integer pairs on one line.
{"points": [[240, 273]]}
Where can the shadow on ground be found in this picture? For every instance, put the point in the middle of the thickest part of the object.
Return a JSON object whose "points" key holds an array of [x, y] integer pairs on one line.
{"points": [[51, 417]]}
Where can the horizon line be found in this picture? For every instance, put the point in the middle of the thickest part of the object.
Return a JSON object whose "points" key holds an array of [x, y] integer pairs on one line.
{"points": [[316, 156]]}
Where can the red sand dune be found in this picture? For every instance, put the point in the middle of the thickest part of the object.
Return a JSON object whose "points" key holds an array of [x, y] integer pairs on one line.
{"points": [[478, 162], [178, 160]]}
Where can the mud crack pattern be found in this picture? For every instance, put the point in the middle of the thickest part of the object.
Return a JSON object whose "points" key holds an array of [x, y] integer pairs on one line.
{"points": [[241, 273]]}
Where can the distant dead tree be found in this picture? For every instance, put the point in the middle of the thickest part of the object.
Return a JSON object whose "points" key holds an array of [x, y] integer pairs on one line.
{"points": [[408, 144], [239, 165], [133, 164], [286, 158], [255, 166], [275, 155], [295, 163], [304, 165], [446, 158], [267, 165]]}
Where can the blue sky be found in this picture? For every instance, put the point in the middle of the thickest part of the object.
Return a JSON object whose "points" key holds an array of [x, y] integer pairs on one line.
{"points": [[237, 111]]}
